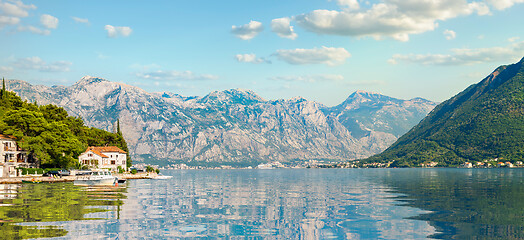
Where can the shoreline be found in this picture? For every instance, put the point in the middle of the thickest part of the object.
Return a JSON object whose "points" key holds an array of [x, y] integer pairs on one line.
{"points": [[17, 180]]}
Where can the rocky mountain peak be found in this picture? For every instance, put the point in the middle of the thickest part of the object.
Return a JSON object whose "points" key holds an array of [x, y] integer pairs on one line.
{"points": [[356, 99], [361, 94], [364, 92], [420, 100], [232, 125], [245, 93], [238, 95], [297, 99], [86, 80]]}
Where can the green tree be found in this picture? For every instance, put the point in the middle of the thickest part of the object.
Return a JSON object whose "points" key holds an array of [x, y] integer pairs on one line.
{"points": [[49, 133], [150, 169]]}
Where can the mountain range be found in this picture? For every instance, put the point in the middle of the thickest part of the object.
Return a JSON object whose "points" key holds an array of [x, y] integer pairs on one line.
{"points": [[233, 126], [483, 122]]}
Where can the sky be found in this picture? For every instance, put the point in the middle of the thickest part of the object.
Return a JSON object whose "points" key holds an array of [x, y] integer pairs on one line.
{"points": [[322, 50]]}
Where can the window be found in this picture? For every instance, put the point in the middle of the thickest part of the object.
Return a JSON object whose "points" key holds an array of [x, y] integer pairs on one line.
{"points": [[112, 162]]}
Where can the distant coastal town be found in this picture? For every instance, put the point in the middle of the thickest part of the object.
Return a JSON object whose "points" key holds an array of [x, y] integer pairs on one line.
{"points": [[492, 163]]}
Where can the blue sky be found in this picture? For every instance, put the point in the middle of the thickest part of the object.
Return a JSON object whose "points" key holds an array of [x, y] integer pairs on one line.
{"points": [[321, 50]]}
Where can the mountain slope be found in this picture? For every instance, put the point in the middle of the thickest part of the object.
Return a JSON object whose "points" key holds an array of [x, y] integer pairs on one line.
{"points": [[232, 126], [363, 112], [485, 121]]}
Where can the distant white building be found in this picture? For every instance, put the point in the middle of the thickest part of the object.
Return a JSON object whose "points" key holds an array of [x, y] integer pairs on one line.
{"points": [[467, 165], [13, 157], [110, 157]]}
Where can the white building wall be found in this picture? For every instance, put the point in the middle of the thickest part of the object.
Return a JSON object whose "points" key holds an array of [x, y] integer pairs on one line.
{"points": [[10, 156], [119, 159], [90, 156]]}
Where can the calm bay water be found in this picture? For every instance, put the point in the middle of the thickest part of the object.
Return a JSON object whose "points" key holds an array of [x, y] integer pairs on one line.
{"points": [[276, 204]]}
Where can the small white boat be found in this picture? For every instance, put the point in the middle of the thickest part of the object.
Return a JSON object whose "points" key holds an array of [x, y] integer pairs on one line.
{"points": [[161, 177], [96, 178]]}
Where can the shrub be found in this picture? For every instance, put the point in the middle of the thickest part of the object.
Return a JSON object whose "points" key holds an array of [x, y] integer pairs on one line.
{"points": [[27, 171]]}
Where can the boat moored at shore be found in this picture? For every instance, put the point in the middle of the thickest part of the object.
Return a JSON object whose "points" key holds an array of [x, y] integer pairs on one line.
{"points": [[98, 178]]}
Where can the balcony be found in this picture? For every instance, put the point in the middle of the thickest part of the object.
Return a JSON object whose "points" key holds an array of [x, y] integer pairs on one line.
{"points": [[9, 149]]}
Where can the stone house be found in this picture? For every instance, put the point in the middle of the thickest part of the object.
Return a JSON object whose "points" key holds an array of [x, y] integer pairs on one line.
{"points": [[110, 157], [13, 157]]}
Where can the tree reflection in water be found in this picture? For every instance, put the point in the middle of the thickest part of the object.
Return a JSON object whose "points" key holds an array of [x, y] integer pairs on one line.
{"points": [[24, 204], [465, 203]]}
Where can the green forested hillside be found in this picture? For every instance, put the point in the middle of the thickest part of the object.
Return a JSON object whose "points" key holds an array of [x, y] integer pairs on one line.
{"points": [[49, 133], [485, 121]]}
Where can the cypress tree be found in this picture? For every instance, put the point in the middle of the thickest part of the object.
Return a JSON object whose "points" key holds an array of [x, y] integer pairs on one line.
{"points": [[118, 127], [3, 88]]}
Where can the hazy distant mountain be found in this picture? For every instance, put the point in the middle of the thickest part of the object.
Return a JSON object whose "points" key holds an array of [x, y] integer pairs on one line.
{"points": [[233, 125], [483, 122], [363, 112]]}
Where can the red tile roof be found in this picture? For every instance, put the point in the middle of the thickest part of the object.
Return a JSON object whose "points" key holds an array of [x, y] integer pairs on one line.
{"points": [[7, 137], [101, 150]]}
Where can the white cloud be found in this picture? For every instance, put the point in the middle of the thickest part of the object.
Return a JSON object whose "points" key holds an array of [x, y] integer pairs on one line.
{"points": [[349, 4], [282, 27], [15, 8], [11, 12], [513, 39], [391, 18], [247, 31], [49, 21], [450, 34], [325, 55], [175, 75], [114, 31], [80, 20], [250, 58], [310, 78], [33, 29], [503, 4], [7, 20], [465, 56], [36, 63], [5, 69]]}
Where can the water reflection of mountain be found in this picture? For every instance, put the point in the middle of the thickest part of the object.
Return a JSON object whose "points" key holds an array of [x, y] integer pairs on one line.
{"points": [[466, 203], [26, 208], [287, 204], [274, 204]]}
